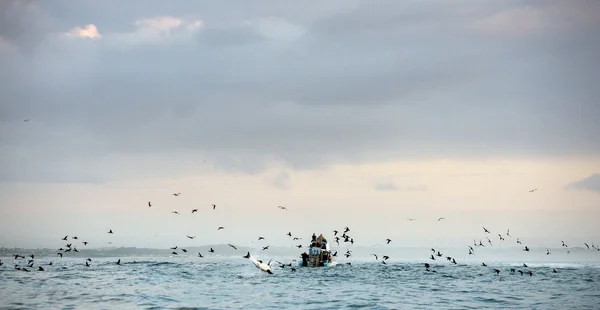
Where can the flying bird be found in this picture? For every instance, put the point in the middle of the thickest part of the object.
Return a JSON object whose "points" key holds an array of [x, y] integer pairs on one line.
{"points": [[27, 120], [214, 206], [176, 194], [149, 204], [441, 218], [175, 212], [194, 210], [110, 232], [282, 207], [388, 241], [220, 227], [485, 230], [191, 237], [233, 246]]}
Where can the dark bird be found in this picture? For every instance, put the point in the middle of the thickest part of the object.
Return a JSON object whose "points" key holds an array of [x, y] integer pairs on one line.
{"points": [[174, 253], [530, 273], [385, 257], [431, 257], [388, 241], [376, 258], [346, 229], [261, 238], [184, 250], [174, 248], [265, 248], [453, 261], [410, 220], [289, 234], [87, 264], [220, 227], [554, 271], [497, 271], [508, 233], [587, 246], [525, 265], [88, 259], [485, 230], [501, 238], [191, 237], [85, 243], [282, 207], [194, 210], [547, 252], [75, 250], [520, 271], [483, 264], [299, 246], [383, 262], [39, 268], [214, 206], [441, 218], [518, 241], [119, 262], [176, 194], [27, 120], [211, 250], [65, 238], [60, 254], [296, 238], [32, 256], [149, 204], [533, 190], [526, 249], [563, 244], [175, 212], [335, 232], [110, 231], [233, 246], [200, 255]]}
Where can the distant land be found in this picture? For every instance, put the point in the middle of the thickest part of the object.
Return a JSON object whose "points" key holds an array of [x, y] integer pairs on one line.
{"points": [[359, 253]]}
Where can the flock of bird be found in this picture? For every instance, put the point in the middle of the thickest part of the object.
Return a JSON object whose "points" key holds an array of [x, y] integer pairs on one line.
{"points": [[339, 236]]}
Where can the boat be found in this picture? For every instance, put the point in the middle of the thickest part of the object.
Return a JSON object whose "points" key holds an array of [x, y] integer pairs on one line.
{"points": [[319, 254]]}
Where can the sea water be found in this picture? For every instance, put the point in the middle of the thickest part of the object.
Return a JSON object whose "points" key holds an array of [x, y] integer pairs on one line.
{"points": [[235, 283]]}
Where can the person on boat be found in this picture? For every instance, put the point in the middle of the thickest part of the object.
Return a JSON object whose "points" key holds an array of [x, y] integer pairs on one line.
{"points": [[304, 259], [324, 244], [314, 237]]}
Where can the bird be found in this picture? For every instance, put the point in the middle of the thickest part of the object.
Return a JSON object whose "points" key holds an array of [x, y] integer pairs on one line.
{"points": [[220, 227], [533, 190], [547, 252], [194, 210], [376, 258], [508, 233], [265, 248], [65, 238], [60, 254], [282, 207], [497, 271], [175, 212], [441, 218], [119, 262], [27, 120], [191, 237], [174, 248], [110, 231], [184, 250], [176, 194], [149, 204], [211, 250], [289, 233], [388, 241], [587, 245], [261, 238], [410, 220], [335, 232], [563, 244], [85, 243], [485, 230], [214, 206], [526, 249], [233, 246], [200, 255], [87, 264]]}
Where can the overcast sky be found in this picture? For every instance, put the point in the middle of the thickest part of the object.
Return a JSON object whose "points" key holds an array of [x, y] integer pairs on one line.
{"points": [[361, 113]]}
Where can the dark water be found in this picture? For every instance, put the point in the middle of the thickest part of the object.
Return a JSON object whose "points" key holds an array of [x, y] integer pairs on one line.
{"points": [[194, 283]]}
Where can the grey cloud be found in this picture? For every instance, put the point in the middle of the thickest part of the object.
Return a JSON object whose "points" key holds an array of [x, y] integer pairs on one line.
{"points": [[591, 183], [282, 181], [386, 186], [362, 83]]}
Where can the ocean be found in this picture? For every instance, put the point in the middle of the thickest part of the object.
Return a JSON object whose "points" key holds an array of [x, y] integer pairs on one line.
{"points": [[235, 283]]}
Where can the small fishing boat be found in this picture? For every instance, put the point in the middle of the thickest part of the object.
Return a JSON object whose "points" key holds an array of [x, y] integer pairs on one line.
{"points": [[319, 254]]}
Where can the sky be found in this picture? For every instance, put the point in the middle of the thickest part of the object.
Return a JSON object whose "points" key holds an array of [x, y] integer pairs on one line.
{"points": [[355, 113]]}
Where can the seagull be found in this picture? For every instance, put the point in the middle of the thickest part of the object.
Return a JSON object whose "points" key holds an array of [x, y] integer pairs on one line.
{"points": [[388, 241], [485, 230], [411, 220], [220, 227], [376, 258], [587, 246], [27, 120], [282, 207], [194, 210], [175, 212], [176, 194], [441, 218], [233, 246], [191, 237], [110, 231], [149, 204], [533, 190], [214, 206], [508, 233], [261, 238], [200, 255]]}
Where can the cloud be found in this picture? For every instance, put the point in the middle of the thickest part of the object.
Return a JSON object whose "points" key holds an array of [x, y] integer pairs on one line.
{"points": [[591, 183], [305, 86], [385, 186], [282, 181], [89, 31]]}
